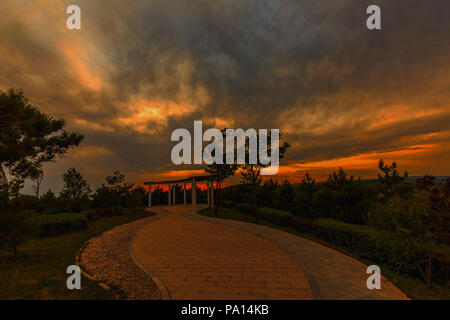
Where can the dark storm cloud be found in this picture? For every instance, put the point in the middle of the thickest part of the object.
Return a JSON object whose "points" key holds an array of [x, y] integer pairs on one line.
{"points": [[261, 57], [310, 68]]}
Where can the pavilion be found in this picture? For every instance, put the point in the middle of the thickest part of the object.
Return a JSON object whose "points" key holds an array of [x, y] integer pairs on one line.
{"points": [[190, 180]]}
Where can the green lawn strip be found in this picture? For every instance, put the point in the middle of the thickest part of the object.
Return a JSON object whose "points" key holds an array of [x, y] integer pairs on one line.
{"points": [[39, 271], [412, 287]]}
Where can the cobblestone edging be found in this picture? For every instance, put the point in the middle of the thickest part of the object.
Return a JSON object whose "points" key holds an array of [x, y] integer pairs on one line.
{"points": [[106, 259], [116, 292]]}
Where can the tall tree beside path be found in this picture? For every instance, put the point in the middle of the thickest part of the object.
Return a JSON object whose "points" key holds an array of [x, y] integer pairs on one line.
{"points": [[251, 173], [219, 172], [28, 138]]}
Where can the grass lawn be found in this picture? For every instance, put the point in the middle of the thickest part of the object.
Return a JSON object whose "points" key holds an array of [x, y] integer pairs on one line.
{"points": [[413, 288], [39, 271]]}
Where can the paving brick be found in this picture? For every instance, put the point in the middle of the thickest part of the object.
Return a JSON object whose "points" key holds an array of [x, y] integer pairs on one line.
{"points": [[200, 260]]}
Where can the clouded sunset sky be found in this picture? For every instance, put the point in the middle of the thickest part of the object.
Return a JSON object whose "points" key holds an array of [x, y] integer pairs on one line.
{"points": [[340, 94]]}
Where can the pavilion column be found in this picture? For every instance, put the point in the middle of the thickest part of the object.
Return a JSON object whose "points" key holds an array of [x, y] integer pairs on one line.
{"points": [[169, 193], [174, 193], [212, 195], [149, 196], [184, 191], [208, 194], [194, 193]]}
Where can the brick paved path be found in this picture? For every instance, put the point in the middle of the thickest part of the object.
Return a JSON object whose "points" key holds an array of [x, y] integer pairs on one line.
{"points": [[201, 260], [331, 274], [197, 257]]}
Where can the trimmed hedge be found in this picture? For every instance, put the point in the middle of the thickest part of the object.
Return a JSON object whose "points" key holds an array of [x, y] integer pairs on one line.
{"points": [[380, 247], [227, 204], [368, 243], [302, 224], [56, 224], [246, 208], [278, 217], [99, 213]]}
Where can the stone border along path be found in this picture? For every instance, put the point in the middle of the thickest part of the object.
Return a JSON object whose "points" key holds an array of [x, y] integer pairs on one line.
{"points": [[106, 259]]}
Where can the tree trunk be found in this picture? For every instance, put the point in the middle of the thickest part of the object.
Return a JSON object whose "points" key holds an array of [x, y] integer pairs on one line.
{"points": [[3, 180], [38, 184], [429, 272], [255, 204], [14, 245], [426, 274]]}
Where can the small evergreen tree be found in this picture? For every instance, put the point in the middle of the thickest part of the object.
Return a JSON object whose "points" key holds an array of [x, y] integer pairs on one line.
{"points": [[75, 187]]}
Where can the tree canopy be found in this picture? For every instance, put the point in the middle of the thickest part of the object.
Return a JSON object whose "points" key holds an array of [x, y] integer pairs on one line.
{"points": [[75, 187], [28, 138]]}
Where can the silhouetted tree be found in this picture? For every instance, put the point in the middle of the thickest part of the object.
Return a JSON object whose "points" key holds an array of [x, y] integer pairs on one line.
{"points": [[220, 172], [339, 177], [14, 230], [38, 177], [75, 187], [390, 178], [114, 192], [28, 138], [303, 195], [251, 173]]}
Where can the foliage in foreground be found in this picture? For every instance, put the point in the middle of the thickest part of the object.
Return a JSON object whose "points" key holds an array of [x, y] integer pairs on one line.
{"points": [[38, 271], [53, 225]]}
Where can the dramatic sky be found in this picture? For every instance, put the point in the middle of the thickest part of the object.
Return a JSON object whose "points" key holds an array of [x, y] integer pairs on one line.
{"points": [[339, 93]]}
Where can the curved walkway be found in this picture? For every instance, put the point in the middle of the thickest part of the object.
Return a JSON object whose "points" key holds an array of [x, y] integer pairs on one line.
{"points": [[195, 257], [200, 260]]}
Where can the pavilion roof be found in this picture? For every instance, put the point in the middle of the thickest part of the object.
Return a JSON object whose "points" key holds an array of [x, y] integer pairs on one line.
{"points": [[189, 179]]}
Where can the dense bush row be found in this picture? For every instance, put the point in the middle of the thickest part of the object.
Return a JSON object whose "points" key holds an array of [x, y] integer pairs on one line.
{"points": [[52, 225], [227, 204], [381, 247], [277, 217], [366, 242], [246, 208], [346, 200], [99, 213], [362, 240]]}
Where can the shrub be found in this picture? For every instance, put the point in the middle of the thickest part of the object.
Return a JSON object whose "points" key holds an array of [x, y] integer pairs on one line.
{"points": [[227, 203], [417, 223], [302, 224], [379, 247], [51, 225], [14, 229], [100, 213], [278, 217], [246, 208]]}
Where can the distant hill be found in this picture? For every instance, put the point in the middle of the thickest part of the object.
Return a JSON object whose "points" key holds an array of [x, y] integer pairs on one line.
{"points": [[438, 178]]}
